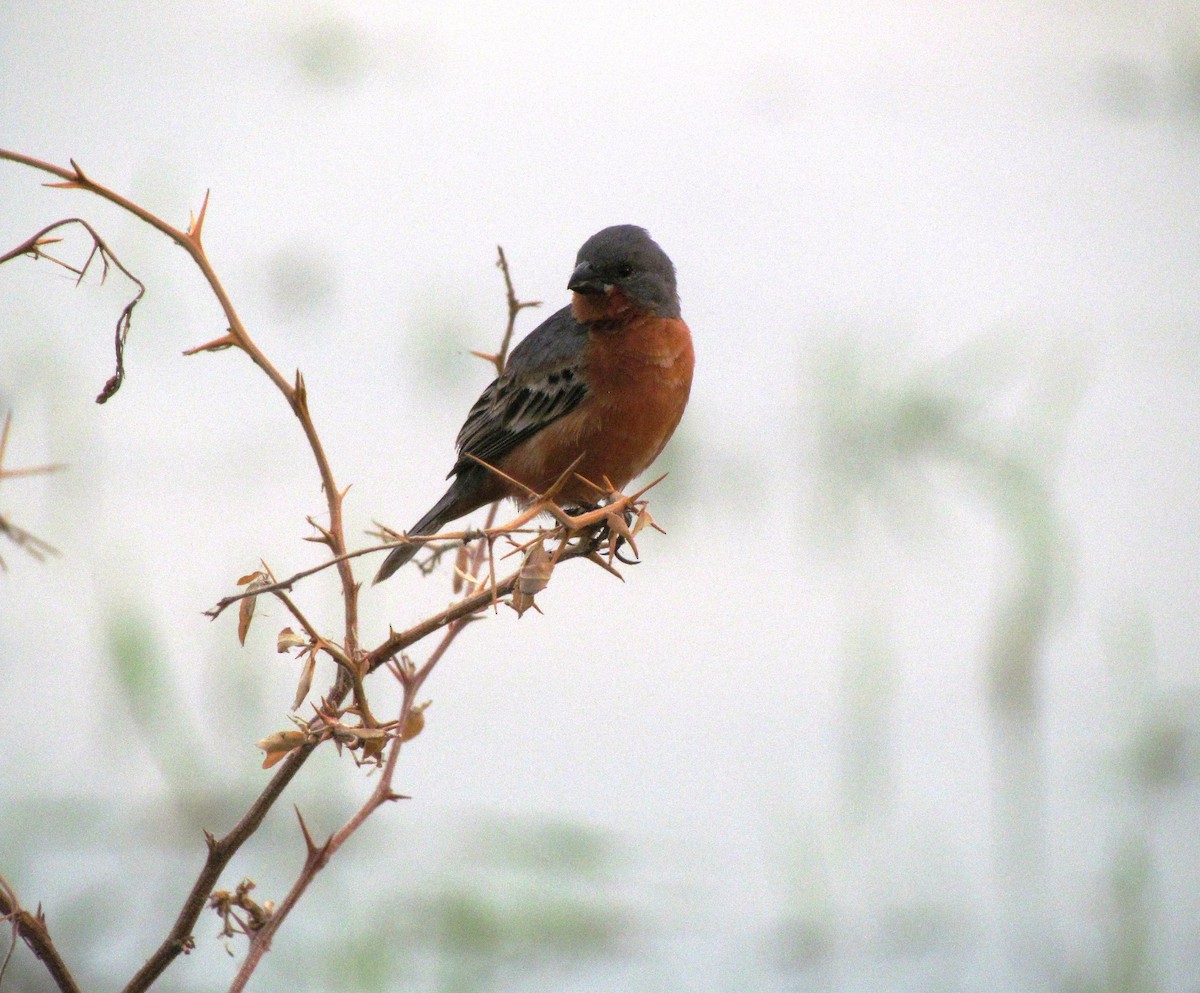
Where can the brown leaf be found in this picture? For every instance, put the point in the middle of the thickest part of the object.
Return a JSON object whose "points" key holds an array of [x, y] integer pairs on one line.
{"points": [[372, 746], [306, 678], [288, 639], [278, 744], [521, 601], [254, 580], [645, 520], [414, 723], [245, 615], [535, 571]]}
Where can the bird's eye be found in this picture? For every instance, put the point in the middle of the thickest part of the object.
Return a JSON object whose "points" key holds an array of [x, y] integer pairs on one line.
{"points": [[624, 270]]}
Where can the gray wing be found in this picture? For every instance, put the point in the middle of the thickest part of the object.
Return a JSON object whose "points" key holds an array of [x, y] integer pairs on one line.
{"points": [[543, 382]]}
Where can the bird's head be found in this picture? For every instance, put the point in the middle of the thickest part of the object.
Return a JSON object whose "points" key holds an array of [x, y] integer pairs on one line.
{"points": [[619, 269]]}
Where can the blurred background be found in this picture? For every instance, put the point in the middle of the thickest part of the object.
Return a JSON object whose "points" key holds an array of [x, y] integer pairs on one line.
{"points": [[905, 700]]}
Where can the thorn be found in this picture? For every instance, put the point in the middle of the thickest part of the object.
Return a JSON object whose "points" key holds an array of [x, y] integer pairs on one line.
{"points": [[507, 478], [618, 527], [606, 566], [196, 224], [226, 340], [308, 838], [649, 486]]}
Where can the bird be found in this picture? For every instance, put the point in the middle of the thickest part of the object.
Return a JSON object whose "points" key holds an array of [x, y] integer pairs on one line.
{"points": [[600, 385]]}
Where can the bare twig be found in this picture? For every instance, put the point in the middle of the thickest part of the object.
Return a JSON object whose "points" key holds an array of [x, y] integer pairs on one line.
{"points": [[34, 247], [295, 393], [33, 931], [499, 360]]}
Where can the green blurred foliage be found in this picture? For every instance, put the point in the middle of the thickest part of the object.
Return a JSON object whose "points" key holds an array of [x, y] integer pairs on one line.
{"points": [[328, 52], [507, 895], [140, 666]]}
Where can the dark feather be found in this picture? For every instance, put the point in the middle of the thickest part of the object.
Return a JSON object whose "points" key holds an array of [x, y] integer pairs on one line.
{"points": [[540, 385]]}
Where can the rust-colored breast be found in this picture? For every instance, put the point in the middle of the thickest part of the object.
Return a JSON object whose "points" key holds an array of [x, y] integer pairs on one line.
{"points": [[639, 375]]}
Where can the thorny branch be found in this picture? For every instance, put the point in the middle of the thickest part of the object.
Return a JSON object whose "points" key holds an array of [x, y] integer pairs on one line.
{"points": [[31, 928], [578, 535], [34, 246]]}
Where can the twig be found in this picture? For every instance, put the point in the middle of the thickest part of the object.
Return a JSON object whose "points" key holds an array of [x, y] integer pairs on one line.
{"points": [[500, 359], [220, 851], [295, 393], [33, 931], [318, 856], [33, 246]]}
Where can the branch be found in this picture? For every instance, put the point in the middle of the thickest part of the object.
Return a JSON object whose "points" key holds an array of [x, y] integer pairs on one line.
{"points": [[33, 931], [318, 856], [220, 852], [34, 245], [190, 241], [515, 306]]}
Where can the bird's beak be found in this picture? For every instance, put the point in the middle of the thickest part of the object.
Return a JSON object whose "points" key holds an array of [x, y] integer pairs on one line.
{"points": [[585, 280]]}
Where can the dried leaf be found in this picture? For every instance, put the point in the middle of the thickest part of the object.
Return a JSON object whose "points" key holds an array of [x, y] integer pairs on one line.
{"points": [[278, 744], [245, 615], [306, 678], [252, 581], [535, 571], [373, 747], [521, 602], [645, 520], [414, 723], [289, 639]]}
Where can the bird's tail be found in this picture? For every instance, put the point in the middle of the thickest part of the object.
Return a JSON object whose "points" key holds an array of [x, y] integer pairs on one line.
{"points": [[441, 512]]}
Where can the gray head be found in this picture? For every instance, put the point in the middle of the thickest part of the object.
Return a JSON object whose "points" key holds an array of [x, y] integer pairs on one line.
{"points": [[625, 256]]}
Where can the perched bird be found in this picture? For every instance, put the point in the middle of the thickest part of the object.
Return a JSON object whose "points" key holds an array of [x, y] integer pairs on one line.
{"points": [[604, 380]]}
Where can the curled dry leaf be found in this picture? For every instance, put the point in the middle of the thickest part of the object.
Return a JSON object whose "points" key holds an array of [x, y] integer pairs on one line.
{"points": [[278, 744], [252, 581], [306, 678], [645, 520], [535, 570], [521, 601], [373, 743], [289, 639], [414, 722]]}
